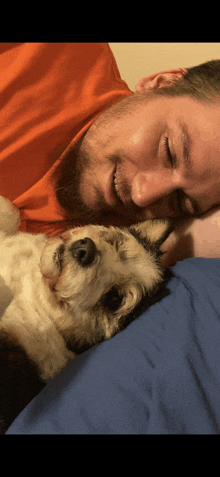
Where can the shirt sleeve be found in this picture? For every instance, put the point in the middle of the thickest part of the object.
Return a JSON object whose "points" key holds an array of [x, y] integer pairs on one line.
{"points": [[50, 93]]}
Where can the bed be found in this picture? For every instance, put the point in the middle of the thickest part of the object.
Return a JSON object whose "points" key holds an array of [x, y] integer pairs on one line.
{"points": [[161, 375]]}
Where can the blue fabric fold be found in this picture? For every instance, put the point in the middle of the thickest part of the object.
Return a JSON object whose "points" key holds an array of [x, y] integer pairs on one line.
{"points": [[161, 375]]}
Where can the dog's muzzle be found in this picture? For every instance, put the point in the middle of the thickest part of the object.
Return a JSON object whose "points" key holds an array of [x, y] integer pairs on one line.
{"points": [[84, 251]]}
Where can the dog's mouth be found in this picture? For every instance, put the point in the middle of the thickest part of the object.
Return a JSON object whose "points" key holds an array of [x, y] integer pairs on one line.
{"points": [[51, 258], [58, 256]]}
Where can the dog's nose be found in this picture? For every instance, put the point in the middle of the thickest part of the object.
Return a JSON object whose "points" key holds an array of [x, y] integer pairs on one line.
{"points": [[84, 251]]}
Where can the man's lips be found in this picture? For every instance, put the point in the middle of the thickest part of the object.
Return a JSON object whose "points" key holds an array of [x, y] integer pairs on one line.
{"points": [[112, 194], [116, 186], [125, 213]]}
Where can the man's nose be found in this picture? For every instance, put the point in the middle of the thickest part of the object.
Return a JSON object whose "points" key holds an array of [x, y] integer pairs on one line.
{"points": [[148, 187]]}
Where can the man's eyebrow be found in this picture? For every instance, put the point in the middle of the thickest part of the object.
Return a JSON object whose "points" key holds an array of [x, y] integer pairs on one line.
{"points": [[186, 146]]}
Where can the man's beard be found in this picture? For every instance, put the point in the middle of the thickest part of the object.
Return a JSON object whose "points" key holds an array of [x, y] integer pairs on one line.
{"points": [[67, 179], [67, 188]]}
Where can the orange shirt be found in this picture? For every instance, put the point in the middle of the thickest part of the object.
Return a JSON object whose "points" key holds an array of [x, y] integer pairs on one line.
{"points": [[50, 94]]}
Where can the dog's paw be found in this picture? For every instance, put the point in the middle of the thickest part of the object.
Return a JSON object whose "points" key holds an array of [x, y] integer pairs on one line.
{"points": [[9, 217]]}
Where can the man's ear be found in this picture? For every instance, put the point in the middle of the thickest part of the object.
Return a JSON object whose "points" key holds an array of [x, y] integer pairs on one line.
{"points": [[161, 79]]}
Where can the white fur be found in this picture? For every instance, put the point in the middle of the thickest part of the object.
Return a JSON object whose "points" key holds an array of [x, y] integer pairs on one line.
{"points": [[51, 306], [31, 316]]}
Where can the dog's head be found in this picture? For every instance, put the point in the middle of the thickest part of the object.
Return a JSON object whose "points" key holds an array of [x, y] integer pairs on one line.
{"points": [[100, 275]]}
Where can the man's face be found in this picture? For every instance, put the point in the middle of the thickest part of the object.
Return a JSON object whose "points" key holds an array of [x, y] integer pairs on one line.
{"points": [[165, 152]]}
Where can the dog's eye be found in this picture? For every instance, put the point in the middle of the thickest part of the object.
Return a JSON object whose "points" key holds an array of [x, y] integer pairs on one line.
{"points": [[112, 299], [116, 240], [111, 240]]}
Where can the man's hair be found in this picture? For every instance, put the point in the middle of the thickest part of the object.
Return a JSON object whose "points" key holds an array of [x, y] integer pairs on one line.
{"points": [[200, 82]]}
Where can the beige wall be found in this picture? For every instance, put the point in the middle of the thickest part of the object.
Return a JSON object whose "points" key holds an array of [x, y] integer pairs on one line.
{"points": [[136, 60]]}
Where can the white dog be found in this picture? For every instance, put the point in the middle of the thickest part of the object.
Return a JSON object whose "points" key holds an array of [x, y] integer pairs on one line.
{"points": [[60, 296]]}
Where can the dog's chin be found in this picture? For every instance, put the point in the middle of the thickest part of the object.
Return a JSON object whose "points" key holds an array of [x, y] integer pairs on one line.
{"points": [[49, 265]]}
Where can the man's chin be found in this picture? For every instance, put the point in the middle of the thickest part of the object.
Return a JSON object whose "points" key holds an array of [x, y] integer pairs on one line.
{"points": [[107, 218], [84, 216]]}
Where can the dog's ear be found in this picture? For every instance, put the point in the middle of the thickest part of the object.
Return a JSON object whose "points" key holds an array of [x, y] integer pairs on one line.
{"points": [[155, 231]]}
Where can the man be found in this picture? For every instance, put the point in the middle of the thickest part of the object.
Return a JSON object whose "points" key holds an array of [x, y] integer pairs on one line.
{"points": [[78, 146], [131, 157]]}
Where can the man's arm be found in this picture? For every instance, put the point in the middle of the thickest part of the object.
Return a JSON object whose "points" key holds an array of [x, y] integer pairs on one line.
{"points": [[198, 237]]}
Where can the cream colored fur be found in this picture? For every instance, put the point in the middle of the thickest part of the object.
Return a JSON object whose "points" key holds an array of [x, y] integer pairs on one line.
{"points": [[48, 306]]}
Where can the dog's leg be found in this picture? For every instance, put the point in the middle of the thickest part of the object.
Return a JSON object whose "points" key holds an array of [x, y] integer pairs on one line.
{"points": [[46, 348], [9, 217], [19, 380]]}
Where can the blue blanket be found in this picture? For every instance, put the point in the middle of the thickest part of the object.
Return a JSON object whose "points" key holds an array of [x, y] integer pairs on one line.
{"points": [[161, 375]]}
